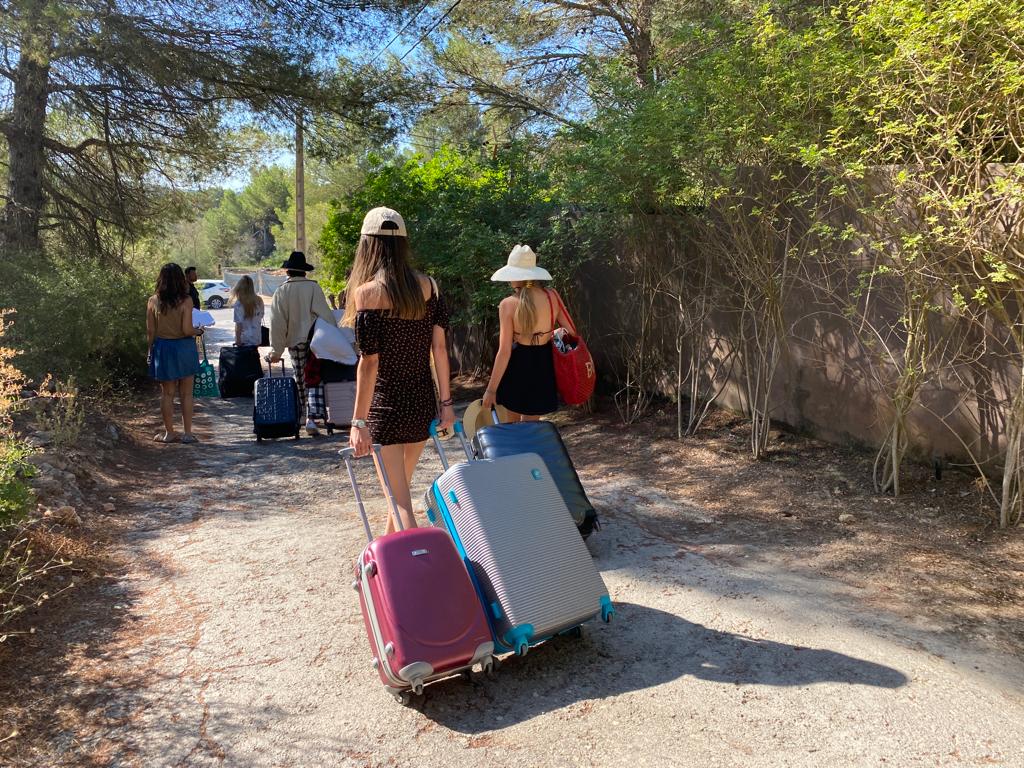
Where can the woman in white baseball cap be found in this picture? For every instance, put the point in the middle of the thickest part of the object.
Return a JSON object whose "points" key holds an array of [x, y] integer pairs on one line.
{"points": [[523, 377], [399, 318]]}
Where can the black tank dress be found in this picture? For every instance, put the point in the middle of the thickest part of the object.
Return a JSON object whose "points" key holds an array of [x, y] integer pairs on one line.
{"points": [[528, 385], [404, 402]]}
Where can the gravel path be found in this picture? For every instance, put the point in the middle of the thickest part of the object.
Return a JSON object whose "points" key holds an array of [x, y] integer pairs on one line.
{"points": [[247, 646]]}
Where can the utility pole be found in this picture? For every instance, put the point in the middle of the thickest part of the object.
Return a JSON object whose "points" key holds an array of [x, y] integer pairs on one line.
{"points": [[300, 188]]}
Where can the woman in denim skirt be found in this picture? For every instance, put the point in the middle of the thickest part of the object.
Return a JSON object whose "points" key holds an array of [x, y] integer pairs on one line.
{"points": [[173, 358]]}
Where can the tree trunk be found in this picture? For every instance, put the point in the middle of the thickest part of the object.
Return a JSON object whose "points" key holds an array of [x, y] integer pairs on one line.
{"points": [[19, 224]]}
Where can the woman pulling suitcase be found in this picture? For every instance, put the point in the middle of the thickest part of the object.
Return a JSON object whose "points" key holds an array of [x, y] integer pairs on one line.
{"points": [[523, 377], [399, 319]]}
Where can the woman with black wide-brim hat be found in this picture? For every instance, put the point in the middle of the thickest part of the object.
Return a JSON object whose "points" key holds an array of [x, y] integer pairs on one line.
{"points": [[297, 305]]}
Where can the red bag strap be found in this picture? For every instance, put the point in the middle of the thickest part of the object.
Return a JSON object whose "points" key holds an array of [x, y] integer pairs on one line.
{"points": [[565, 313], [552, 308]]}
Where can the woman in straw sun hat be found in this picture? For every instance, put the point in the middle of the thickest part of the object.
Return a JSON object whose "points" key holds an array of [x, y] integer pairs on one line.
{"points": [[523, 377], [399, 318]]}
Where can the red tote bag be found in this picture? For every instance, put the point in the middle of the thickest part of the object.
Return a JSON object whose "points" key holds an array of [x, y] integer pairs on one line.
{"points": [[575, 375]]}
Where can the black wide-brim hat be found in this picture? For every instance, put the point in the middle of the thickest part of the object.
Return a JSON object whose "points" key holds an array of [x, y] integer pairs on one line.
{"points": [[297, 261]]}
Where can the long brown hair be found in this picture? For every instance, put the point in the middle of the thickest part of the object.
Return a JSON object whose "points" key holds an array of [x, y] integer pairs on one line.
{"points": [[385, 258], [171, 288], [526, 310], [245, 294]]}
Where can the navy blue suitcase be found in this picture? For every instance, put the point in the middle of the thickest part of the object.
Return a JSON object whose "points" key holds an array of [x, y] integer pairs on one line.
{"points": [[275, 411], [542, 438]]}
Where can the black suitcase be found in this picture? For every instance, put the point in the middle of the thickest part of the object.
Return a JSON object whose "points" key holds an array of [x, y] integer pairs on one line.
{"points": [[542, 438], [332, 372], [240, 369]]}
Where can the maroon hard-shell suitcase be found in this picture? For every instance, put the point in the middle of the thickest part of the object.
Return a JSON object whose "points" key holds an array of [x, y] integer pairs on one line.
{"points": [[422, 615]]}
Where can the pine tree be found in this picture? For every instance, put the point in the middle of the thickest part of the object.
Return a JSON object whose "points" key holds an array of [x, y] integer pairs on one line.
{"points": [[109, 102]]}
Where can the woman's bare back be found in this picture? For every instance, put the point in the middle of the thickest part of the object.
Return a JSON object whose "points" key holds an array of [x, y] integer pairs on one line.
{"points": [[543, 324]]}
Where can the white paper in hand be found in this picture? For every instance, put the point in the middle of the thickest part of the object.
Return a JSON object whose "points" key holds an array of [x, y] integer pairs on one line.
{"points": [[201, 319]]}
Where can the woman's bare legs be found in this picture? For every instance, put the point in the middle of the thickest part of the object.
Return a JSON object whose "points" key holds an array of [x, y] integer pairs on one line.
{"points": [[185, 393], [399, 463], [413, 451], [167, 405]]}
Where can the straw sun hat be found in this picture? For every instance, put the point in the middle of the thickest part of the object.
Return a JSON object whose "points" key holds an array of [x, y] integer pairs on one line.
{"points": [[476, 417], [522, 265]]}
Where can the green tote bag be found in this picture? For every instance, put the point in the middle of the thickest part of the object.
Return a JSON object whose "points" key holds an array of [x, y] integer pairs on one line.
{"points": [[205, 384]]}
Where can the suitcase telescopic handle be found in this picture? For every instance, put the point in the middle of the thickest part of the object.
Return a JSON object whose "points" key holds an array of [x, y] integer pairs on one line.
{"points": [[348, 456], [270, 366], [436, 437]]}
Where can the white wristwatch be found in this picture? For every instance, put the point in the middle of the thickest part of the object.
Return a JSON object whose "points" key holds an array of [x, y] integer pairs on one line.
{"points": [[359, 423]]}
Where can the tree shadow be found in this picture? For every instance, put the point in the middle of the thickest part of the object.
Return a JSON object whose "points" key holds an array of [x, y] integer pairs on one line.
{"points": [[643, 648]]}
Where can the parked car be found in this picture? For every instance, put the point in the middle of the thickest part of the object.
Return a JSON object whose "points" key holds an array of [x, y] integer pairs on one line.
{"points": [[213, 293]]}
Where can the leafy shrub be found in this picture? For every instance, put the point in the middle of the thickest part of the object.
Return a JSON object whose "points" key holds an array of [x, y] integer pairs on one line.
{"points": [[464, 215], [78, 318], [60, 411], [15, 495]]}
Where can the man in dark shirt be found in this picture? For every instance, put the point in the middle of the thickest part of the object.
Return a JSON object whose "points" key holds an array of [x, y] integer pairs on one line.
{"points": [[192, 275]]}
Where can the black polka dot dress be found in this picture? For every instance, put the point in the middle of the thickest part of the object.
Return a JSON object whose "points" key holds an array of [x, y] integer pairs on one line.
{"points": [[404, 402]]}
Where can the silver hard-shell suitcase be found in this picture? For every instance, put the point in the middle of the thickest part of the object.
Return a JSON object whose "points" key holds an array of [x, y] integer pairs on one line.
{"points": [[532, 570]]}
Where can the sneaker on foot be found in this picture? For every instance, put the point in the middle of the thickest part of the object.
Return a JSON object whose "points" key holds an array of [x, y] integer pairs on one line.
{"points": [[311, 428]]}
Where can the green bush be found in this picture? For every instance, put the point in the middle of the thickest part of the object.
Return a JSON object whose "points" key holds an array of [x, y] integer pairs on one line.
{"points": [[15, 495], [77, 318], [464, 215]]}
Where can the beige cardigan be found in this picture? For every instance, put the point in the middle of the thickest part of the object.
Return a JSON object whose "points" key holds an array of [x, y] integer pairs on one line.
{"points": [[296, 306]]}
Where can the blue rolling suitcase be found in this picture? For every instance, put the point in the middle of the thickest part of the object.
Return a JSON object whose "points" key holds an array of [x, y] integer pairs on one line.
{"points": [[542, 438], [275, 411], [531, 569]]}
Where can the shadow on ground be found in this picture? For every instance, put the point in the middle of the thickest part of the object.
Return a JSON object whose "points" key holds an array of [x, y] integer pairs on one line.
{"points": [[643, 648]]}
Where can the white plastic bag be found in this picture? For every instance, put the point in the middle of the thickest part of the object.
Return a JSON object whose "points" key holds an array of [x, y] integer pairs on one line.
{"points": [[333, 343]]}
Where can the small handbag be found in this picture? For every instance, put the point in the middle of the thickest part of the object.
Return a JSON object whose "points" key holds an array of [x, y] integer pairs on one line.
{"points": [[575, 375], [205, 384]]}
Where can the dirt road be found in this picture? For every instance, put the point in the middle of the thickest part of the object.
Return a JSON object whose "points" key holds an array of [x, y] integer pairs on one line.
{"points": [[242, 645]]}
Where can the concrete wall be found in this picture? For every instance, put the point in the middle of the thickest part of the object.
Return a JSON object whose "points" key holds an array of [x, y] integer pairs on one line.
{"points": [[828, 383]]}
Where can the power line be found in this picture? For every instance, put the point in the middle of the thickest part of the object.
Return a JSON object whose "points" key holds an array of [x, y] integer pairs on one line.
{"points": [[434, 26], [399, 32]]}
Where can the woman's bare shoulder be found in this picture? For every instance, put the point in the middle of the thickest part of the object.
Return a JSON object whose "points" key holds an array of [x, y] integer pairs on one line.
{"points": [[369, 296], [508, 305], [427, 284]]}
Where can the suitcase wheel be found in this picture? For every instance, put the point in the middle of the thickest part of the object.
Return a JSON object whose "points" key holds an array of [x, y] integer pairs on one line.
{"points": [[259, 439], [522, 647], [490, 668], [607, 609], [403, 697]]}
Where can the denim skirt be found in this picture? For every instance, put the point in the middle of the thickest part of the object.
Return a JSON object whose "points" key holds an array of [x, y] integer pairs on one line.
{"points": [[173, 359]]}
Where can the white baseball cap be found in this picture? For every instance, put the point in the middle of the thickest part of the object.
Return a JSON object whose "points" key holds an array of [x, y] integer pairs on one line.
{"points": [[383, 221]]}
